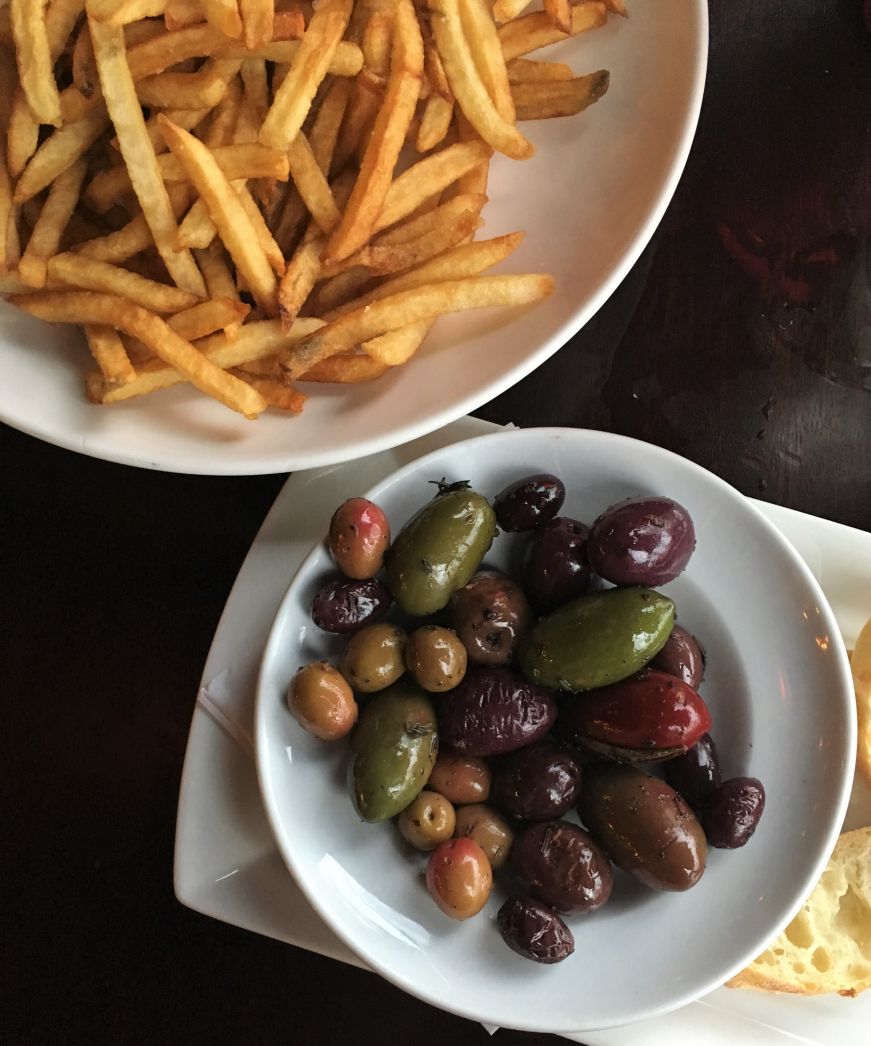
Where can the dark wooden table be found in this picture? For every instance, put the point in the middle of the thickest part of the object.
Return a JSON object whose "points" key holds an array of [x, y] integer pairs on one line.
{"points": [[737, 340]]}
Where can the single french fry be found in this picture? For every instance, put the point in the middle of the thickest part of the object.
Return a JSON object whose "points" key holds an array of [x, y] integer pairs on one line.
{"points": [[560, 14], [429, 176], [382, 259], [22, 134], [480, 32], [468, 259], [48, 230], [327, 124], [189, 119], [467, 85], [84, 67], [435, 123], [410, 306], [200, 90], [345, 370], [235, 161], [524, 71], [257, 18], [109, 310], [223, 15], [182, 13], [60, 151], [264, 237], [109, 354], [35, 65], [506, 10], [544, 100], [347, 59], [120, 12], [227, 212], [397, 347], [254, 341], [617, 7], [311, 183], [532, 31], [308, 68], [216, 271], [140, 160], [433, 67], [208, 317], [388, 135], [337, 291], [428, 221], [5, 216], [276, 393], [78, 270], [299, 278]]}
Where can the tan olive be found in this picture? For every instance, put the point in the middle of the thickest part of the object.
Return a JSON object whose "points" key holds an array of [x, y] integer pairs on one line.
{"points": [[322, 701], [489, 829], [459, 878], [461, 778], [428, 821], [436, 658], [374, 658]]}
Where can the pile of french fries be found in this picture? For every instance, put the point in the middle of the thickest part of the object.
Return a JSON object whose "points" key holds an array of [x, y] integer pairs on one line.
{"points": [[242, 194]]}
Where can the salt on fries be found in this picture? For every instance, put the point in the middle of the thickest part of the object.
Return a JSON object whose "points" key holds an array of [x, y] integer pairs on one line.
{"points": [[226, 194]]}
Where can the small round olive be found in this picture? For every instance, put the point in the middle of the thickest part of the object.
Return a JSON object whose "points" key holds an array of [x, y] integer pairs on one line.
{"points": [[374, 658], [359, 536], [461, 778], [428, 821], [436, 658], [459, 878], [323, 702], [488, 828]]}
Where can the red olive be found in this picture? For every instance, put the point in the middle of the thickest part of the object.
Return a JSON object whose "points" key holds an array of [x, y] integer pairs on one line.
{"points": [[459, 877], [359, 536], [649, 711]]}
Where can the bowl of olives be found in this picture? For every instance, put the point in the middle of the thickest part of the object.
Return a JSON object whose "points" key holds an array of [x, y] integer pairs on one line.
{"points": [[554, 729]]}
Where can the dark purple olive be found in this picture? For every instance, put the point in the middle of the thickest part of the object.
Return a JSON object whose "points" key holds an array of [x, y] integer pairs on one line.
{"points": [[494, 711], [682, 656], [732, 813], [491, 615], [696, 773], [532, 930], [537, 783], [642, 541], [559, 864], [529, 502], [345, 606], [557, 568]]}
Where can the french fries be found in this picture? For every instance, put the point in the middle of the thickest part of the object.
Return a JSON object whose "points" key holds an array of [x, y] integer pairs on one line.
{"points": [[220, 196]]}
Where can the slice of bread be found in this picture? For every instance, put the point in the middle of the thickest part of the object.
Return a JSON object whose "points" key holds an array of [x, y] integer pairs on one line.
{"points": [[860, 662], [827, 946]]}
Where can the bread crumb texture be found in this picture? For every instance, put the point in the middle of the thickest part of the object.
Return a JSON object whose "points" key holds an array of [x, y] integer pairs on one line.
{"points": [[827, 946]]}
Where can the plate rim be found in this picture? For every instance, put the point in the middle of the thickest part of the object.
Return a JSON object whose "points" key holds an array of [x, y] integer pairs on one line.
{"points": [[847, 738]]}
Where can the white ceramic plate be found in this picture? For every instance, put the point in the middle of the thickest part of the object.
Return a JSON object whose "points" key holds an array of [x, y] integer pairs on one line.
{"points": [[772, 643], [589, 201]]}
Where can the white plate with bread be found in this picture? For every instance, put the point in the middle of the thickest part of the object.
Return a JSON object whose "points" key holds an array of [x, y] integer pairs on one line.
{"points": [[222, 828]]}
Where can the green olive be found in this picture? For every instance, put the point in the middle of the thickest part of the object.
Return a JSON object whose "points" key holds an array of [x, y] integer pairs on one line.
{"points": [[428, 821], [322, 701], [374, 657], [436, 658], [488, 828]]}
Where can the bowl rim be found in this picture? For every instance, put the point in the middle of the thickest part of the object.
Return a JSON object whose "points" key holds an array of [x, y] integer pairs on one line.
{"points": [[847, 738]]}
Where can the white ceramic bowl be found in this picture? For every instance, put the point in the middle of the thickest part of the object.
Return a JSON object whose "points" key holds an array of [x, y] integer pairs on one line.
{"points": [[779, 689], [589, 200]]}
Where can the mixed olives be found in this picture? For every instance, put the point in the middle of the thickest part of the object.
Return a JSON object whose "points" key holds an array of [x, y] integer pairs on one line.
{"points": [[486, 711]]}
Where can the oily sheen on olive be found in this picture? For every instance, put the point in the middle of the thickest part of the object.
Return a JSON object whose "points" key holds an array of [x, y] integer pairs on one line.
{"points": [[345, 606], [561, 865], [696, 773], [732, 812], [526, 503], [491, 615], [557, 565], [534, 931], [537, 783], [682, 656], [642, 541]]}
